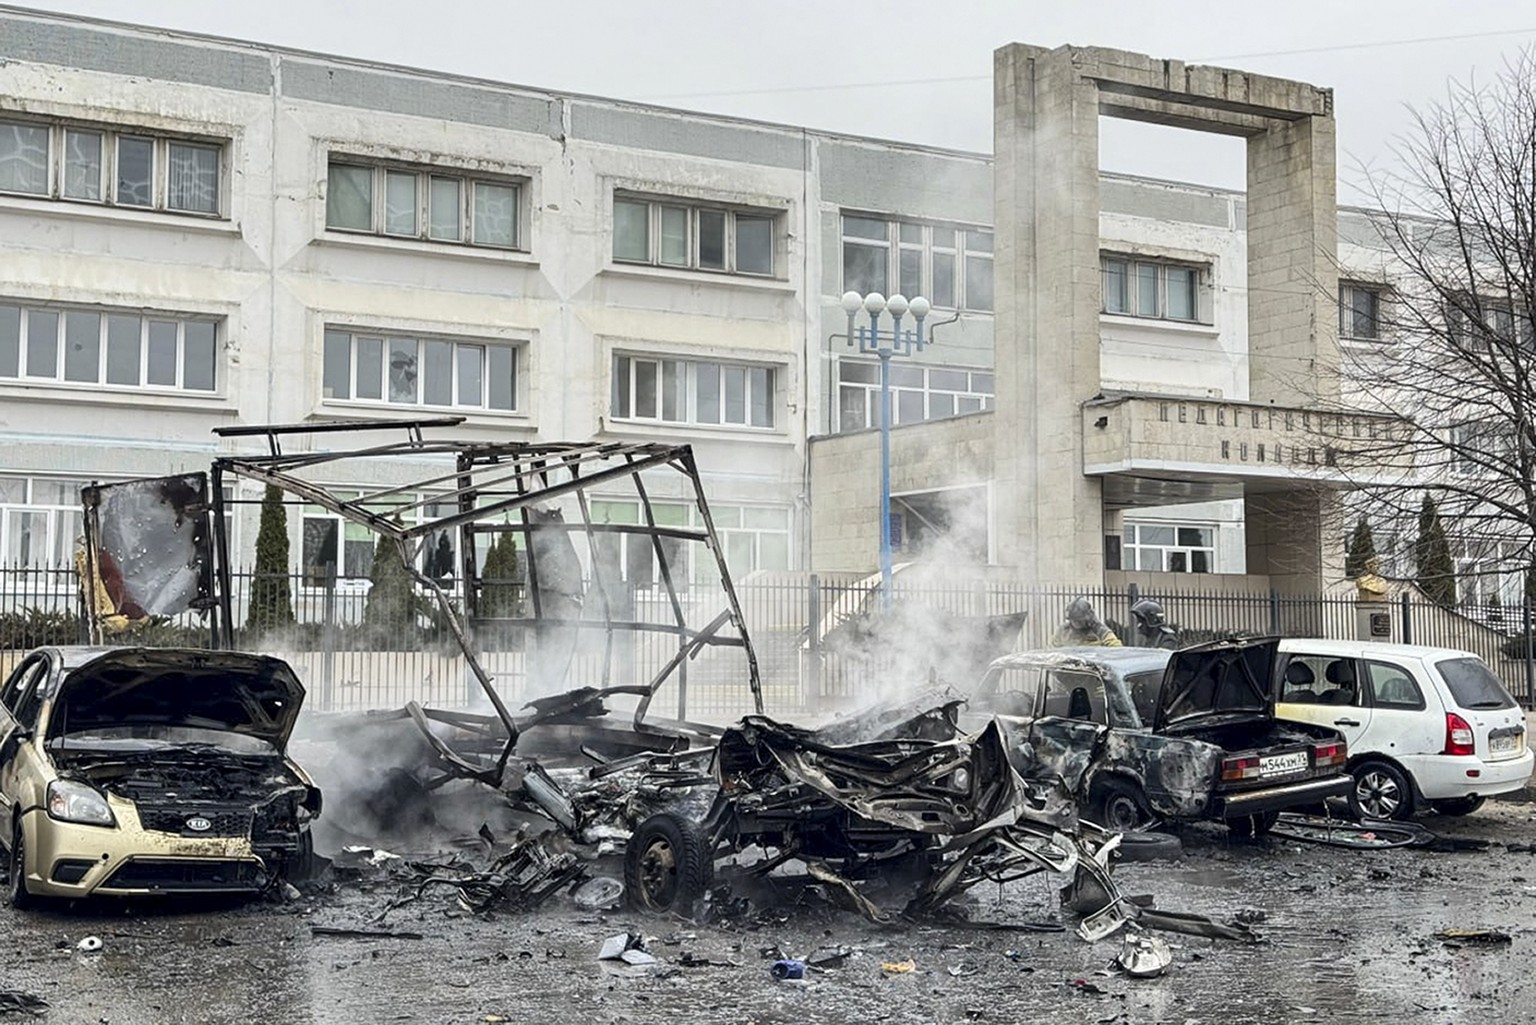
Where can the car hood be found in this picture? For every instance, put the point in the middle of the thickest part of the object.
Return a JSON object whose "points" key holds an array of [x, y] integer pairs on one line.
{"points": [[1226, 680], [237, 692]]}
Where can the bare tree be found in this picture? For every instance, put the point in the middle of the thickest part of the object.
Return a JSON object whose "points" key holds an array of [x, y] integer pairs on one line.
{"points": [[1458, 221]]}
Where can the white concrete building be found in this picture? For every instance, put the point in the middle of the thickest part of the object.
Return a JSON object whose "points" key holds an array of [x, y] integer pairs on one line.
{"points": [[202, 231]]}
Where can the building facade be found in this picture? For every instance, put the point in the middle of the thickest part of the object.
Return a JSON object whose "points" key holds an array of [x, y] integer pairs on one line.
{"points": [[199, 232]]}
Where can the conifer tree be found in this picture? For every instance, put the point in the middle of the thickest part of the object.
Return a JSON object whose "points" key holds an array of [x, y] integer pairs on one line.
{"points": [[1432, 556], [271, 605]]}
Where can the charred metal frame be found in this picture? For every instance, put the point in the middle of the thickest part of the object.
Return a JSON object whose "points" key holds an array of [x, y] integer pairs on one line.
{"points": [[490, 480]]}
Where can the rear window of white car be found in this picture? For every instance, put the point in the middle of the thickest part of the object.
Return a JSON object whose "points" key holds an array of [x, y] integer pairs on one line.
{"points": [[1473, 684]]}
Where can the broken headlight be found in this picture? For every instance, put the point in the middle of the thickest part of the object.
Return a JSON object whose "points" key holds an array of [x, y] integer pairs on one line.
{"points": [[69, 801]]}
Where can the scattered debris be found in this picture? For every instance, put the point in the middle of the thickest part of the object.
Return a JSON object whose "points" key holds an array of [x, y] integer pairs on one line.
{"points": [[25, 1003], [899, 967], [829, 957], [363, 934], [787, 968], [1370, 834], [1195, 925], [1144, 957], [89, 945], [602, 893], [615, 948], [1473, 937]]}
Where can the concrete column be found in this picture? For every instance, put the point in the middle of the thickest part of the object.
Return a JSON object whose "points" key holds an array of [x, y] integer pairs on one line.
{"points": [[1293, 333], [1294, 537], [1293, 282], [1046, 188]]}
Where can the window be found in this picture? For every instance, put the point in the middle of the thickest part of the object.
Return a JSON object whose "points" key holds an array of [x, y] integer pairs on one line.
{"points": [[1392, 686], [1473, 322], [21, 681], [693, 392], [1169, 548], [674, 233], [333, 548], [39, 522], [1073, 695], [753, 538], [117, 348], [1153, 289], [918, 393], [1479, 449], [404, 203], [1359, 312], [951, 267], [363, 366], [1473, 684], [95, 164]]}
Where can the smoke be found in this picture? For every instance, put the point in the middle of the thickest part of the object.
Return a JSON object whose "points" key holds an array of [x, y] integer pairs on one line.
{"points": [[374, 774], [946, 620]]}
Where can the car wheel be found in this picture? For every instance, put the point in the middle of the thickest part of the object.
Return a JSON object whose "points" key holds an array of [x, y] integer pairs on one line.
{"points": [[668, 864], [21, 897], [1251, 827], [301, 865], [1381, 791], [1116, 805], [1458, 805], [1139, 846]]}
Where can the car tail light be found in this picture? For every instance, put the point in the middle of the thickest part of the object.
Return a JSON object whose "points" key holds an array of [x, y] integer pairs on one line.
{"points": [[1239, 768], [1327, 756], [1458, 736]]}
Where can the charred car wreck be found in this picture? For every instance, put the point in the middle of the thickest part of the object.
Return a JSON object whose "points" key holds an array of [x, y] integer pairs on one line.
{"points": [[1144, 733], [915, 795], [890, 815], [920, 803]]}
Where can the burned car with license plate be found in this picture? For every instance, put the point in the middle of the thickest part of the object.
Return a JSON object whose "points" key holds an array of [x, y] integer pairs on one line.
{"points": [[1143, 733], [139, 771]]}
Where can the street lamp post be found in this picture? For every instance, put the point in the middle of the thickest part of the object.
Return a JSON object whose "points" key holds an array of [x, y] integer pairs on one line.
{"points": [[871, 340]]}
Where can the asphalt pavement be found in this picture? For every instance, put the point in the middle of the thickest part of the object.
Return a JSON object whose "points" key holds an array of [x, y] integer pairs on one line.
{"points": [[1348, 935]]}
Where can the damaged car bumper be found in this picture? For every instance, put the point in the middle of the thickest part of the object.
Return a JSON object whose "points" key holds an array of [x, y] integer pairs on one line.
{"points": [[73, 860], [1256, 802]]}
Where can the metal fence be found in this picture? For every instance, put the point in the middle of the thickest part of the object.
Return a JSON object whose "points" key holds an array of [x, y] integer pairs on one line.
{"points": [[822, 641]]}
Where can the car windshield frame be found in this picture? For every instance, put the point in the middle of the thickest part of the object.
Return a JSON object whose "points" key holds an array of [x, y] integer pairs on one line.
{"points": [[1481, 677]]}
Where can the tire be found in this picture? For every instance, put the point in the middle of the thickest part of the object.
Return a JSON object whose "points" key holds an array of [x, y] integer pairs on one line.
{"points": [[21, 897], [301, 865], [668, 864], [1458, 805], [1117, 805], [1139, 846], [1251, 827], [1381, 791]]}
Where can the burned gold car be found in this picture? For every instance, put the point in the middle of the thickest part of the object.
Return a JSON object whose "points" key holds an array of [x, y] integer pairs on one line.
{"points": [[1144, 733], [127, 771]]}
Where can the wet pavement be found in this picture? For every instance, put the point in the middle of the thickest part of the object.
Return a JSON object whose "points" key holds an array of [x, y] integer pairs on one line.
{"points": [[1349, 936]]}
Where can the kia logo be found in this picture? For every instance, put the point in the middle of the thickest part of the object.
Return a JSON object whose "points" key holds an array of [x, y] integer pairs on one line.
{"points": [[198, 824]]}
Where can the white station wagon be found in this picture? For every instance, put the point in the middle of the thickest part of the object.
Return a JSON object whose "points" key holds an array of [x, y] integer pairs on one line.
{"points": [[1426, 727]]}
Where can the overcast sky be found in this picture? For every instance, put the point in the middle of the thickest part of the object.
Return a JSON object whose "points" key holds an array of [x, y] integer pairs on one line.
{"points": [[836, 64]]}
